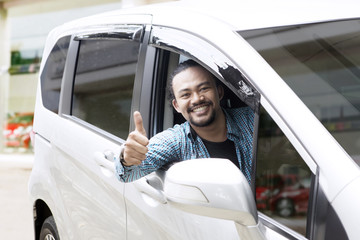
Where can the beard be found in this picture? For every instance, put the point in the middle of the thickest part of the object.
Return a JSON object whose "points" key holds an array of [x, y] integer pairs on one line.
{"points": [[205, 122]]}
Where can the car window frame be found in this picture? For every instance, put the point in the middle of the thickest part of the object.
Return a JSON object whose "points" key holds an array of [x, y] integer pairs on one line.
{"points": [[66, 92]]}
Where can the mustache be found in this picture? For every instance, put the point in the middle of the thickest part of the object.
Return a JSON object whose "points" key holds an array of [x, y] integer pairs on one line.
{"points": [[189, 109]]}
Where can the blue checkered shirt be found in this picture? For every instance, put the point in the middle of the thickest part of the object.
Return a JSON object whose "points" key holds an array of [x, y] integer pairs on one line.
{"points": [[178, 144]]}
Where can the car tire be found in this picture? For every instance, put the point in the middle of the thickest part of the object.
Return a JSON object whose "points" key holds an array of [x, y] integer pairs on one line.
{"points": [[49, 230], [285, 207]]}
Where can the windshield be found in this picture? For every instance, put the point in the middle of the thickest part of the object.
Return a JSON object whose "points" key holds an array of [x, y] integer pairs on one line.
{"points": [[320, 62]]}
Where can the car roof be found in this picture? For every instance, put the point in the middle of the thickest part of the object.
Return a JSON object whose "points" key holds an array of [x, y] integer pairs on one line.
{"points": [[246, 14], [213, 17]]}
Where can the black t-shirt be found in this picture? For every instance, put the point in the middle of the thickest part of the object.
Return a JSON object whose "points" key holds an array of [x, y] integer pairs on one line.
{"points": [[222, 150]]}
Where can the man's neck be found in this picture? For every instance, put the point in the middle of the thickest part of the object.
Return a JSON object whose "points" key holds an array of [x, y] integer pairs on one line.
{"points": [[215, 132]]}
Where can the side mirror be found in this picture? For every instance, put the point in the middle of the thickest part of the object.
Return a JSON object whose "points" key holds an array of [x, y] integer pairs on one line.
{"points": [[211, 187]]}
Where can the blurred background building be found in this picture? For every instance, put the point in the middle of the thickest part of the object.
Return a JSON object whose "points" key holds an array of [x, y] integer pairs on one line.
{"points": [[24, 25]]}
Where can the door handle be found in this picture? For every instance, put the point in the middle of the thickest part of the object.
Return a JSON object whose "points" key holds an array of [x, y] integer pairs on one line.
{"points": [[143, 186], [106, 162]]}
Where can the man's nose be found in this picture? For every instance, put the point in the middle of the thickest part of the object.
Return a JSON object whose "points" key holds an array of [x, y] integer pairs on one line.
{"points": [[197, 97]]}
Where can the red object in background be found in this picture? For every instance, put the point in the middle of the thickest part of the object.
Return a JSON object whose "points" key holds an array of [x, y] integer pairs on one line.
{"points": [[285, 195], [17, 130]]}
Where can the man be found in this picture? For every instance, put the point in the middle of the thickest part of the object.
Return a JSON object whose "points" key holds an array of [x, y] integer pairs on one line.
{"points": [[209, 130]]}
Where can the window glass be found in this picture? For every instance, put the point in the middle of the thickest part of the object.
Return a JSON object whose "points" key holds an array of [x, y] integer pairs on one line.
{"points": [[282, 177], [52, 74], [321, 63], [104, 83]]}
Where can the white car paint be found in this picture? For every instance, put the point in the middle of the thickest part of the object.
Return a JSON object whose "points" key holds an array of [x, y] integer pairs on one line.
{"points": [[69, 160]]}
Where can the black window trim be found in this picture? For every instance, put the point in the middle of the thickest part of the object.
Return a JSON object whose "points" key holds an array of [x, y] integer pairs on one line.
{"points": [[158, 96], [323, 221], [68, 78], [143, 80]]}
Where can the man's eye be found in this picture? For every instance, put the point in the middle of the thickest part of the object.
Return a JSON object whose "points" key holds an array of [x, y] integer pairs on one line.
{"points": [[204, 89], [185, 95]]}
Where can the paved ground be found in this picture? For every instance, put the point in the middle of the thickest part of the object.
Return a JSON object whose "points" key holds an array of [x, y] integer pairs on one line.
{"points": [[16, 209]]}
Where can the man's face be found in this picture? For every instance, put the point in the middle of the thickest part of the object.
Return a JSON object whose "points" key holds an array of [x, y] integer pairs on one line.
{"points": [[197, 97]]}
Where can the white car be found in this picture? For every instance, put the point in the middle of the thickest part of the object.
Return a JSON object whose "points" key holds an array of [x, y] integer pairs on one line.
{"points": [[296, 65]]}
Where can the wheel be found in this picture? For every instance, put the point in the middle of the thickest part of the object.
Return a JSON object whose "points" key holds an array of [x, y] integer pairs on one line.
{"points": [[49, 230], [285, 207]]}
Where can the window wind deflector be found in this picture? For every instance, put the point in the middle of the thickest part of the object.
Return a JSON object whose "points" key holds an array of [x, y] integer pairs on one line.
{"points": [[128, 32]]}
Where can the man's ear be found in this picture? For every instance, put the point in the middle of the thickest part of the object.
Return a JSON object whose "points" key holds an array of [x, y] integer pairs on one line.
{"points": [[175, 105], [220, 91]]}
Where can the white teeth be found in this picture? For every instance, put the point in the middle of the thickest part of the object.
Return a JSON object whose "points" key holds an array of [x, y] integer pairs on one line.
{"points": [[199, 109]]}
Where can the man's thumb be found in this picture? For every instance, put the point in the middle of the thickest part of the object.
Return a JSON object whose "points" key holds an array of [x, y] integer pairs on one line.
{"points": [[139, 123]]}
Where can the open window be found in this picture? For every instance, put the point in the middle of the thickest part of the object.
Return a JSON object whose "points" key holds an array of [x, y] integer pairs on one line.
{"points": [[170, 51], [170, 116]]}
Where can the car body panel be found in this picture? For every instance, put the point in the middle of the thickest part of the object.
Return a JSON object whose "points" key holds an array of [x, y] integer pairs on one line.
{"points": [[148, 218], [90, 193], [349, 213], [87, 194]]}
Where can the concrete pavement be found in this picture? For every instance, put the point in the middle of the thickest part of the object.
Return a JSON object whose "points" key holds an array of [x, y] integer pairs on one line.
{"points": [[16, 209]]}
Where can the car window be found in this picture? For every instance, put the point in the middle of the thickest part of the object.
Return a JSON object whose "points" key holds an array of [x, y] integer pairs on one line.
{"points": [[103, 84], [282, 177], [51, 77], [325, 56]]}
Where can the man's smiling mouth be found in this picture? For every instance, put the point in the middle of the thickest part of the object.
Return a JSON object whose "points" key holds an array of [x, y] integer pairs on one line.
{"points": [[199, 107]]}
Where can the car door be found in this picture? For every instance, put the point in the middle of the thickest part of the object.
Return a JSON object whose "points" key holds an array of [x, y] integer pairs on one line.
{"points": [[285, 174], [149, 215], [96, 101]]}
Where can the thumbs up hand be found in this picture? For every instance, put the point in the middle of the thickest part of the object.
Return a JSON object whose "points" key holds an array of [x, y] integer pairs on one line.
{"points": [[136, 144]]}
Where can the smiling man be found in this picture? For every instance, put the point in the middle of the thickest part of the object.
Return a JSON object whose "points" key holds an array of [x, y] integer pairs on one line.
{"points": [[209, 130]]}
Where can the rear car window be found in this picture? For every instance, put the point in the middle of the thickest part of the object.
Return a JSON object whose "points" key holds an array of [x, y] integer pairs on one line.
{"points": [[103, 84], [325, 56], [52, 74]]}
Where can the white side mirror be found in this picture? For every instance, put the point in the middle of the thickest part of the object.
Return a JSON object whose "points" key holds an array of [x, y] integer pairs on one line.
{"points": [[211, 187]]}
